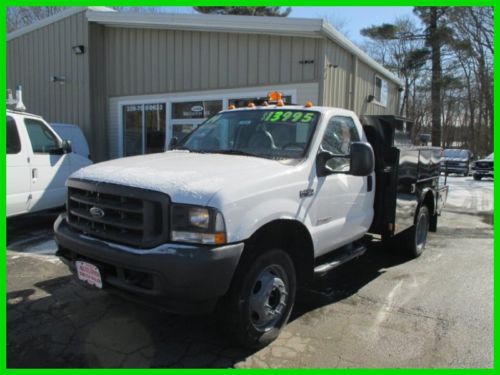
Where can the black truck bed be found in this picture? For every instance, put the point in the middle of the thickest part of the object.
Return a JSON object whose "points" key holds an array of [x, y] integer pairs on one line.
{"points": [[406, 175]]}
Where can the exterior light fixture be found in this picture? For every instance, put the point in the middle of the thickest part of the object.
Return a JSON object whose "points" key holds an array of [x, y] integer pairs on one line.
{"points": [[58, 79], [78, 50], [370, 98]]}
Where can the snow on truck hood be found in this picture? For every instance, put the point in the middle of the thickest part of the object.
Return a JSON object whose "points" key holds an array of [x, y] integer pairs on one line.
{"points": [[187, 177]]}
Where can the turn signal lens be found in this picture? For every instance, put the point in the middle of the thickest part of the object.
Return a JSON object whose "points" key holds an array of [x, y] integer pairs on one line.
{"points": [[308, 104], [220, 238], [274, 96]]}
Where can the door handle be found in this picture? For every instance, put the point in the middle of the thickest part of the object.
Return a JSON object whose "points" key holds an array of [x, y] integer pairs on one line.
{"points": [[34, 174]]}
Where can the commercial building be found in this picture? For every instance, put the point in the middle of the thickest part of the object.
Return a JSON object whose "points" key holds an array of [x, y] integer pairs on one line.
{"points": [[133, 81]]}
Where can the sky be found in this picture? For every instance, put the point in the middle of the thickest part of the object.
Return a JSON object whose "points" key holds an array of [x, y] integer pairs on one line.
{"points": [[352, 19]]}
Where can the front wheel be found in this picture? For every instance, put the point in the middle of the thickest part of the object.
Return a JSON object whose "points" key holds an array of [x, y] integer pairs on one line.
{"points": [[262, 298], [416, 237]]}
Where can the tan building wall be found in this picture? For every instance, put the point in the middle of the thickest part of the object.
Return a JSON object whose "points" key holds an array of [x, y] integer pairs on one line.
{"points": [[348, 83], [33, 58], [131, 62], [146, 61]]}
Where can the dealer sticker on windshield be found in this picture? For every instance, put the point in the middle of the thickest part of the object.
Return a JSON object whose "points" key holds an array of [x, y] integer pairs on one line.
{"points": [[89, 273]]}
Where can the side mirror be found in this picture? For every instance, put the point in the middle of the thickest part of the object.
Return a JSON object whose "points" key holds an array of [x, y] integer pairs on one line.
{"points": [[66, 146], [173, 142], [362, 159], [322, 168]]}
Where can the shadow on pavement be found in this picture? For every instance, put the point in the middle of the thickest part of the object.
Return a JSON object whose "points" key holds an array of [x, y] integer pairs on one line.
{"points": [[73, 325]]}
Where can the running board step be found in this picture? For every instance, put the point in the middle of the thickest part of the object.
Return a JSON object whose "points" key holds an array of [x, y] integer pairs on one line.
{"points": [[341, 256]]}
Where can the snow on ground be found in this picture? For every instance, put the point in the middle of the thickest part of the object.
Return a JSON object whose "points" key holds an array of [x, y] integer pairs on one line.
{"points": [[465, 192]]}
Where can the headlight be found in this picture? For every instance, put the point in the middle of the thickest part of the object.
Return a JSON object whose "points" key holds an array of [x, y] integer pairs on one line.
{"points": [[199, 217], [195, 224]]}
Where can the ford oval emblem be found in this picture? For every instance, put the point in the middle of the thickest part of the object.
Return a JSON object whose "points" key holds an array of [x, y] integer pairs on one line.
{"points": [[96, 212]]}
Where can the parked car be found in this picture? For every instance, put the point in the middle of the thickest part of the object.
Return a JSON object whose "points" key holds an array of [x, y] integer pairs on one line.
{"points": [[483, 168], [456, 161], [253, 203], [38, 164], [74, 134]]}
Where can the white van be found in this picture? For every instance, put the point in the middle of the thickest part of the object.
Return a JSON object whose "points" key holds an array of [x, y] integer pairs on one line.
{"points": [[38, 164], [74, 134]]}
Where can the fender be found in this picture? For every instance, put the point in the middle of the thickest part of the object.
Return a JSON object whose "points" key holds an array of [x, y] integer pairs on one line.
{"points": [[241, 227], [423, 196]]}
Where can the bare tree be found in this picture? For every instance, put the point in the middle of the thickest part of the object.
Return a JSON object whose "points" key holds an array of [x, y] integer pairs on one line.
{"points": [[340, 23], [18, 17], [246, 11]]}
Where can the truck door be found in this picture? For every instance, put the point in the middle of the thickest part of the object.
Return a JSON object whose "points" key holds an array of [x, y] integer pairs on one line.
{"points": [[49, 166], [342, 207], [18, 174]]}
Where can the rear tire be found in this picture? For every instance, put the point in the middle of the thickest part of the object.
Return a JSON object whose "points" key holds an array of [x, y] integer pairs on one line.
{"points": [[416, 236], [477, 177], [261, 298]]}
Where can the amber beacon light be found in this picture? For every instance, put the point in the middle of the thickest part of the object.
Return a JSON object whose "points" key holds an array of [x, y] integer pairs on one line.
{"points": [[274, 96]]}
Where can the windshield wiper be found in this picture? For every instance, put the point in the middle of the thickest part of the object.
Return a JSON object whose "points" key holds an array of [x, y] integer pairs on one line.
{"points": [[236, 152]]}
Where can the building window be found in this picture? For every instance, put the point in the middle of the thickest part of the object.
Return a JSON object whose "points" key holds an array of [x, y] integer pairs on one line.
{"points": [[186, 116], [381, 91], [144, 128], [243, 102], [197, 109]]}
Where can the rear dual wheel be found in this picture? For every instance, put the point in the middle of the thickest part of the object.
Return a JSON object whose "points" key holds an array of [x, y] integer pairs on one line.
{"points": [[416, 237]]}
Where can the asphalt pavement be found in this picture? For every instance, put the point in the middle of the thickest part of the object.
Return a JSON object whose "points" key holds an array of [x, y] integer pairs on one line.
{"points": [[381, 310]]}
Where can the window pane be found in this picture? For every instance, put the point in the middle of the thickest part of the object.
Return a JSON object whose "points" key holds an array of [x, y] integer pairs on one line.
{"points": [[378, 88], [13, 141], [132, 125], [243, 102], [154, 117], [198, 109], [42, 139], [180, 131], [339, 134]]}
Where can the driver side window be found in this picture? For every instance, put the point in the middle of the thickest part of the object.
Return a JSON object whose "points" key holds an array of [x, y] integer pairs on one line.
{"points": [[43, 141], [339, 134]]}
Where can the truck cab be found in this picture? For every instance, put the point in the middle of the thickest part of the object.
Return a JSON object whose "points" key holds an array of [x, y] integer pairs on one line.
{"points": [[255, 202]]}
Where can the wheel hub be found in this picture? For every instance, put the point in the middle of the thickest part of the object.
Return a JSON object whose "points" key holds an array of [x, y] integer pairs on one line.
{"points": [[268, 298]]}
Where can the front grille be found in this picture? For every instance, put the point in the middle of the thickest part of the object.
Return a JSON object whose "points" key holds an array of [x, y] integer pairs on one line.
{"points": [[484, 165], [131, 216]]}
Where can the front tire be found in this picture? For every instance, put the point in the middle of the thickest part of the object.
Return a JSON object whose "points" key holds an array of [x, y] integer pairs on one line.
{"points": [[477, 177], [261, 298]]}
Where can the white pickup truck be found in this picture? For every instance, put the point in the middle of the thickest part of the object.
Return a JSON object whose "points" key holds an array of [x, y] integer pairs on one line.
{"points": [[255, 202], [38, 164]]}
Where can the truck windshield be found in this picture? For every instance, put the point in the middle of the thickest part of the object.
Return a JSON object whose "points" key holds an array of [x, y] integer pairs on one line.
{"points": [[273, 133]]}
